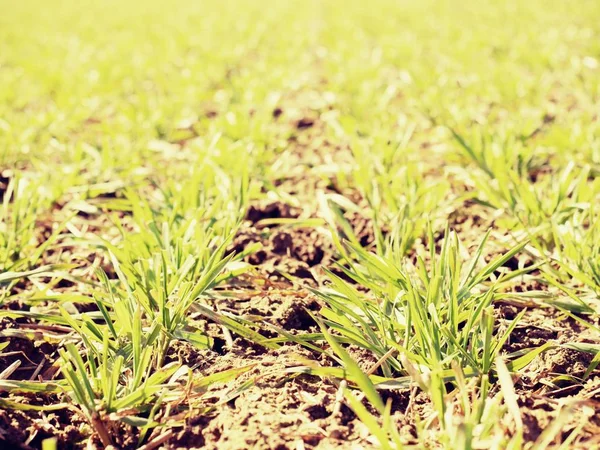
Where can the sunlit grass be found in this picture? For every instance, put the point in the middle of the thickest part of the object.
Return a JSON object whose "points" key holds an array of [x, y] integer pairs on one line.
{"points": [[133, 138]]}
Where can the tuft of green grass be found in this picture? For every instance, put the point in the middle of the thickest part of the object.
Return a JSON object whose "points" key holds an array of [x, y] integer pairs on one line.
{"points": [[510, 177], [434, 312]]}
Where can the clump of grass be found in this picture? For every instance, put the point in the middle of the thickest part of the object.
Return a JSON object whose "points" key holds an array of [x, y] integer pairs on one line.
{"points": [[398, 198], [112, 376], [436, 312], [577, 254], [179, 251], [23, 202], [22, 248], [114, 363], [472, 413], [505, 179]]}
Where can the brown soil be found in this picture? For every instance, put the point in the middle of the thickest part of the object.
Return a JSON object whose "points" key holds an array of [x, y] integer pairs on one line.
{"points": [[278, 411], [27, 429]]}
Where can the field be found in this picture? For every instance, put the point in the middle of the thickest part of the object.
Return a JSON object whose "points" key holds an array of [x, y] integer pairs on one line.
{"points": [[300, 224]]}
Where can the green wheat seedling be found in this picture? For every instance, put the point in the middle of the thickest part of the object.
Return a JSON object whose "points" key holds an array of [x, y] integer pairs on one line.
{"points": [[108, 368], [431, 316], [216, 199], [107, 381], [578, 251], [21, 207], [114, 369], [113, 362], [466, 413], [503, 181], [166, 285], [21, 253], [577, 276], [115, 372], [178, 253], [400, 199]]}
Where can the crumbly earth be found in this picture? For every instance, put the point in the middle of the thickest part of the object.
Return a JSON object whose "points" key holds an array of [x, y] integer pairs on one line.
{"points": [[273, 405]]}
